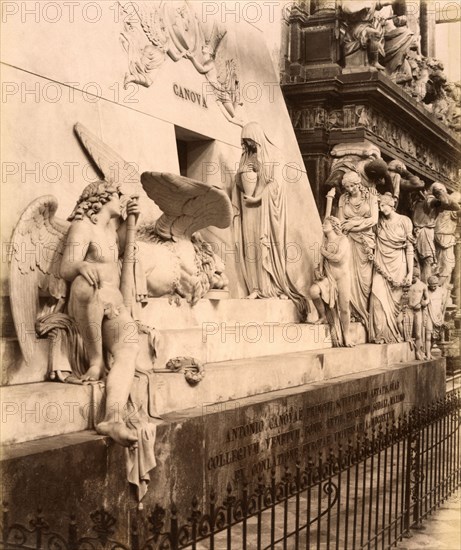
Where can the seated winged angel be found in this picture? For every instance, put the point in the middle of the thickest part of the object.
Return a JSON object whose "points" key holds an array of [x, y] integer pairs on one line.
{"points": [[94, 273], [90, 263]]}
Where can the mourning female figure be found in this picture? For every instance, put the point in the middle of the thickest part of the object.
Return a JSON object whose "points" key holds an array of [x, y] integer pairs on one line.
{"points": [[260, 227], [393, 270], [358, 212]]}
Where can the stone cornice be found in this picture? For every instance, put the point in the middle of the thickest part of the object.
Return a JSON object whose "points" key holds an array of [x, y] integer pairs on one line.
{"points": [[379, 92]]}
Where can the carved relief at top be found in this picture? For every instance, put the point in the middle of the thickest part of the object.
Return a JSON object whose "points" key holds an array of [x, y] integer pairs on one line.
{"points": [[372, 37], [154, 30]]}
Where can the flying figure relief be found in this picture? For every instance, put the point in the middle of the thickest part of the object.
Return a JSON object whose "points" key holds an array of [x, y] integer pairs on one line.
{"points": [[154, 31]]}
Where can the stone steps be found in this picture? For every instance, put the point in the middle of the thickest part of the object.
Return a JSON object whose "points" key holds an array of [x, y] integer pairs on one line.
{"points": [[34, 411], [229, 342], [211, 331], [160, 313]]}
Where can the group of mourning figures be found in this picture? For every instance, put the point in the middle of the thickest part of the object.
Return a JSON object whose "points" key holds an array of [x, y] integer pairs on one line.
{"points": [[378, 267], [385, 270], [368, 269]]}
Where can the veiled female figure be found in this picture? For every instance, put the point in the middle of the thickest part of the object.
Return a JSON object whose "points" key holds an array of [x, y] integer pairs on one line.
{"points": [[261, 226], [358, 212], [393, 271]]}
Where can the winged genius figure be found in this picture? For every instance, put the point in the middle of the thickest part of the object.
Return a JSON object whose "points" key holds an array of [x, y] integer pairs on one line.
{"points": [[76, 269]]}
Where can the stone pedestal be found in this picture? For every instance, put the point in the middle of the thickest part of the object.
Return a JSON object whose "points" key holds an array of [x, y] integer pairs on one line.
{"points": [[206, 447]]}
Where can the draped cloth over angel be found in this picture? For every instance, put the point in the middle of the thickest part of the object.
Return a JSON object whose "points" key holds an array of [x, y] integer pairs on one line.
{"points": [[393, 237], [260, 230], [142, 417], [362, 243]]}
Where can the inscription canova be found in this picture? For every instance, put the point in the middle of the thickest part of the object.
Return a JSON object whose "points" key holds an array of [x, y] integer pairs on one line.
{"points": [[190, 95]]}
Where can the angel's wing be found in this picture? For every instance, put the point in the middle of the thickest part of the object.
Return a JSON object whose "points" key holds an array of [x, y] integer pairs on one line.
{"points": [[188, 205], [112, 166], [36, 252], [114, 169], [152, 24]]}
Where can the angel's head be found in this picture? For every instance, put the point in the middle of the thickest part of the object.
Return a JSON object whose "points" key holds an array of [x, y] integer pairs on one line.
{"points": [[93, 198]]}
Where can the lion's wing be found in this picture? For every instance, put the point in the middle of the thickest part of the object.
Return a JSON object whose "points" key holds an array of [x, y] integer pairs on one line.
{"points": [[188, 205]]}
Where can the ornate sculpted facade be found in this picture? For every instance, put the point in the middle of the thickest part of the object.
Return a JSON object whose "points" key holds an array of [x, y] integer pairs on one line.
{"points": [[362, 83]]}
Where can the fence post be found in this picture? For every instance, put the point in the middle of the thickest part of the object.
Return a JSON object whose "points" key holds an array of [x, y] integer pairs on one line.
{"points": [[406, 519], [416, 477], [134, 533], [174, 529], [72, 533], [5, 526]]}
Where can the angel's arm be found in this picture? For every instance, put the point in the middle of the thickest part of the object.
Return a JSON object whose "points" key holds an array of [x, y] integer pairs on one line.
{"points": [[77, 244], [202, 69], [364, 223]]}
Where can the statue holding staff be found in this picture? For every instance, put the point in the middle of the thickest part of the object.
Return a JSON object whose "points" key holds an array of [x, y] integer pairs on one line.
{"points": [[90, 263], [358, 213]]}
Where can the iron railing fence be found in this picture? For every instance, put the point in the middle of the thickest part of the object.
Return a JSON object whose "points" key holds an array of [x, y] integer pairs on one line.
{"points": [[367, 494]]}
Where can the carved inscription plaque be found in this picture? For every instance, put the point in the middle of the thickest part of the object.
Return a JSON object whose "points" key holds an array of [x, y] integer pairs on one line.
{"points": [[252, 440]]}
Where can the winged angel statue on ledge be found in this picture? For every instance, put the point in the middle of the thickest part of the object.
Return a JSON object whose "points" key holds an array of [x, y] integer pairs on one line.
{"points": [[83, 285]]}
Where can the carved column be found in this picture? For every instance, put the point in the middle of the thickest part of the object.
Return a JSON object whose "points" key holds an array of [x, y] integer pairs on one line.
{"points": [[298, 18], [428, 28]]}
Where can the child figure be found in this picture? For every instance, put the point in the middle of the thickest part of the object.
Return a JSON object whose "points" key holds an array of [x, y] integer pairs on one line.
{"points": [[95, 241], [437, 296], [417, 301], [333, 280]]}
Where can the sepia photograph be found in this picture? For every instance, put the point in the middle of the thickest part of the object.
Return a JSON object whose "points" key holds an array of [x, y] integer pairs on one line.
{"points": [[231, 285]]}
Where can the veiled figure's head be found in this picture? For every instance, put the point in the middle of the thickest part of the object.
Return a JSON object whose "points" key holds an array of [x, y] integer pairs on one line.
{"points": [[351, 181]]}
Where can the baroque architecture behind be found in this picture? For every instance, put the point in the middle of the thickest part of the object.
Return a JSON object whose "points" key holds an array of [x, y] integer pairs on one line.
{"points": [[367, 97]]}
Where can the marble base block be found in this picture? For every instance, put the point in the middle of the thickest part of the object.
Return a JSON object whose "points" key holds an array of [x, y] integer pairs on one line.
{"points": [[34, 411]]}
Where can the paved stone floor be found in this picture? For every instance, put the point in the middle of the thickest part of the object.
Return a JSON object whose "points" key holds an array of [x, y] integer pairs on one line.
{"points": [[442, 530]]}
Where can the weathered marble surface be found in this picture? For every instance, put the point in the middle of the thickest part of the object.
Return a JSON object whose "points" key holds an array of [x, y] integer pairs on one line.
{"points": [[194, 449], [45, 409]]}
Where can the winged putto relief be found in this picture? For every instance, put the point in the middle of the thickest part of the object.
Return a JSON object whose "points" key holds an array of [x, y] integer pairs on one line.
{"points": [[154, 30]]}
